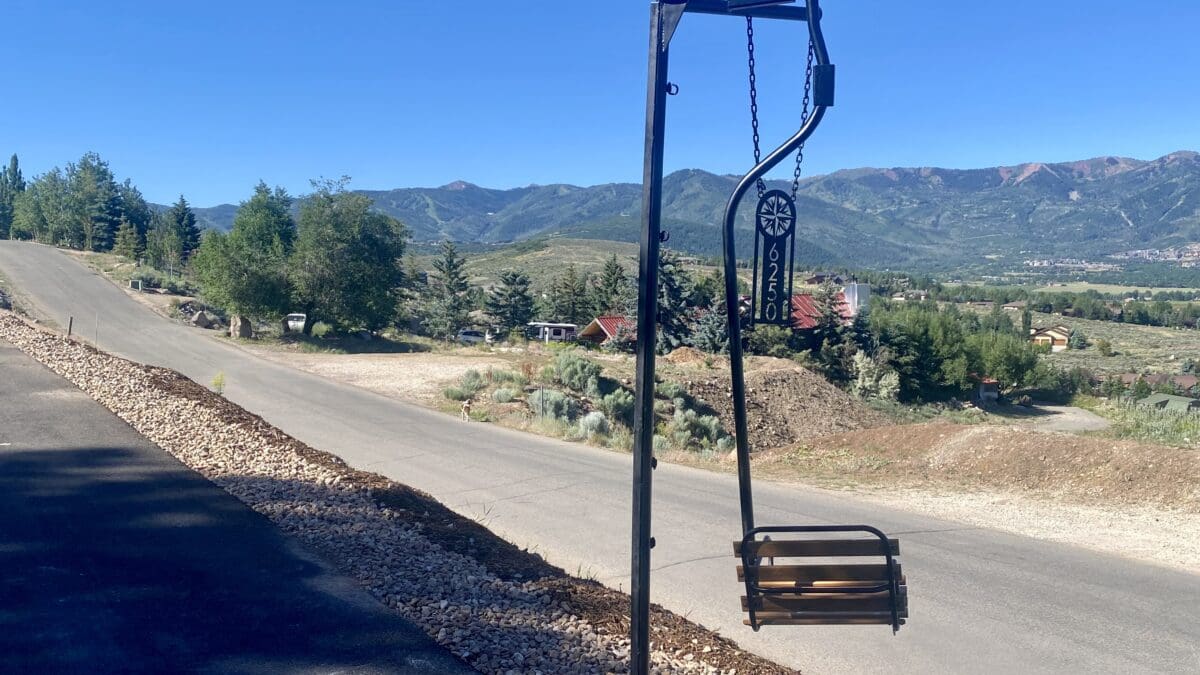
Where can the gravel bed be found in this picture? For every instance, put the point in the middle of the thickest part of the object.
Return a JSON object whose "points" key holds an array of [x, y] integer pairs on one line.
{"points": [[499, 609]]}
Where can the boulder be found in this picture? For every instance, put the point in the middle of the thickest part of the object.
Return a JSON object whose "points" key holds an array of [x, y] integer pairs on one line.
{"points": [[239, 327], [200, 319]]}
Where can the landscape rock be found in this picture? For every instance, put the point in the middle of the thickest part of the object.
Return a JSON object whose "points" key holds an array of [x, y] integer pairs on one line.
{"points": [[201, 320], [240, 327]]}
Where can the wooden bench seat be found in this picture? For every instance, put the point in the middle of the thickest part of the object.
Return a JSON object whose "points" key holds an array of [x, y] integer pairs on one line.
{"points": [[825, 592]]}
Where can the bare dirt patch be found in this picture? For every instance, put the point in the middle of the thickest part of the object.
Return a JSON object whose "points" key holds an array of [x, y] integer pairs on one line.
{"points": [[785, 403], [1083, 469], [418, 378]]}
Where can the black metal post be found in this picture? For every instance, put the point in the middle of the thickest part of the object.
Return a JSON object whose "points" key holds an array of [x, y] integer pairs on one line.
{"points": [[663, 18], [736, 370]]}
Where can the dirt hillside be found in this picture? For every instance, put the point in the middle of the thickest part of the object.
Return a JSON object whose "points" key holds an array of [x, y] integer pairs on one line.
{"points": [[785, 403], [1087, 469]]}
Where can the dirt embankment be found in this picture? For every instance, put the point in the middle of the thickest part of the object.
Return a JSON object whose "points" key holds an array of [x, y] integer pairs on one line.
{"points": [[1081, 469], [785, 403]]}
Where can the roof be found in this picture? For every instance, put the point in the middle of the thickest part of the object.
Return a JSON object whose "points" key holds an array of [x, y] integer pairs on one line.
{"points": [[548, 324], [1170, 400], [608, 326], [805, 310], [1016, 304]]}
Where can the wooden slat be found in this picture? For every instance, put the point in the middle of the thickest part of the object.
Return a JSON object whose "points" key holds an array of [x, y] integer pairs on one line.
{"points": [[799, 619], [817, 548], [825, 602], [807, 574]]}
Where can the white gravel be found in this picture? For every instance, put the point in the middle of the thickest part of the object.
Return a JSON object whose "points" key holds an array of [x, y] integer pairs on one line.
{"points": [[497, 626]]}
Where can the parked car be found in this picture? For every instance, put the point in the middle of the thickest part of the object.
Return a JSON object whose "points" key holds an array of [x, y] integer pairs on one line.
{"points": [[469, 336], [296, 321]]}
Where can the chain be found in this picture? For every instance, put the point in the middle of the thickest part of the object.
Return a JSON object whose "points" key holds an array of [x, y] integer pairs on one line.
{"points": [[808, 71], [762, 188]]}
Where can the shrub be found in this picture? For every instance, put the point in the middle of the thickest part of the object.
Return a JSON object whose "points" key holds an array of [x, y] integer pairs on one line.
{"points": [[726, 444], [218, 382], [1104, 347], [670, 389], [554, 404], [471, 380], [458, 393], [509, 377], [619, 406], [575, 370], [689, 430], [770, 341], [660, 443], [620, 439], [503, 395], [593, 424]]}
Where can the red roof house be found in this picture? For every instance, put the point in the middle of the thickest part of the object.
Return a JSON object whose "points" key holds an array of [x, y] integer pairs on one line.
{"points": [[805, 311], [605, 328]]}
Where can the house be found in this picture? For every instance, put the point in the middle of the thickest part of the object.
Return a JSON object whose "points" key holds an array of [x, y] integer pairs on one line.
{"points": [[545, 331], [1171, 402], [1184, 382], [605, 328], [805, 312], [819, 278], [982, 304], [1016, 306], [1055, 337]]}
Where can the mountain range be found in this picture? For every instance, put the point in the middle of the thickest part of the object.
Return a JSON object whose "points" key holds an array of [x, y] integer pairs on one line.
{"points": [[867, 217]]}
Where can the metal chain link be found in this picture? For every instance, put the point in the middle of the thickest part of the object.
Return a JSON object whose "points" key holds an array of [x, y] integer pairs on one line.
{"points": [[808, 71], [762, 188]]}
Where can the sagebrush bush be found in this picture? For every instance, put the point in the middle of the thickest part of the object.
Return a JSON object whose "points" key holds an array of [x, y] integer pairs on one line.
{"points": [[554, 404], [574, 370], [509, 377], [620, 439], [670, 389], [471, 380], [689, 430], [619, 406], [458, 393], [503, 395], [593, 425]]}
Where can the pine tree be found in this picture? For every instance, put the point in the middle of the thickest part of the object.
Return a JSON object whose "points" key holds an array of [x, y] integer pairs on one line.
{"points": [[612, 288], [510, 303], [94, 201], [712, 331], [12, 184], [448, 302], [569, 301], [128, 244], [674, 314], [183, 220], [1026, 322]]}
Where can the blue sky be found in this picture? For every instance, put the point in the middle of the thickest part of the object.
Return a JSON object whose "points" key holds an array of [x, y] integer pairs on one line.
{"points": [[206, 98]]}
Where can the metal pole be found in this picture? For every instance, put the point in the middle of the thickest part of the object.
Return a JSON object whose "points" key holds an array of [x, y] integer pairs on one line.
{"points": [[70, 325], [664, 16]]}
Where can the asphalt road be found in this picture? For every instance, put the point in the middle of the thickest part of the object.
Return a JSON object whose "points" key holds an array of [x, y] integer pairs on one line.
{"points": [[980, 600], [117, 558]]}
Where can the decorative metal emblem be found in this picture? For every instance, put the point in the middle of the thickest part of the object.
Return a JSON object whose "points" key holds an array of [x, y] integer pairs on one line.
{"points": [[774, 243]]}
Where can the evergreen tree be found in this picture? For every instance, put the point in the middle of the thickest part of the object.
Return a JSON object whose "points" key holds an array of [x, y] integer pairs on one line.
{"points": [[1026, 322], [612, 289], [448, 302], [674, 314], [12, 184], [712, 330], [569, 301], [182, 218], [510, 303], [95, 202], [134, 209], [128, 244], [1076, 339]]}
